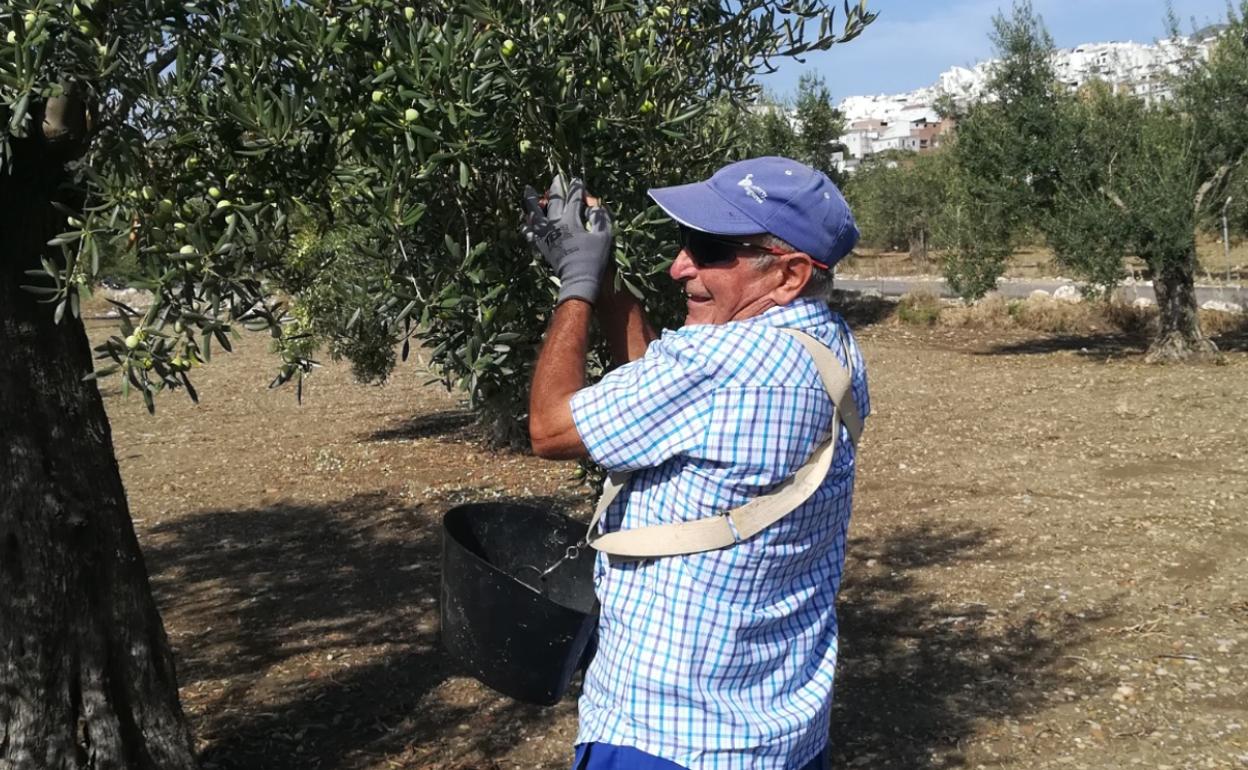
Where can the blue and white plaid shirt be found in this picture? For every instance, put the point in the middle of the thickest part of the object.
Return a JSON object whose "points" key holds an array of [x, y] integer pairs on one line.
{"points": [[721, 660]]}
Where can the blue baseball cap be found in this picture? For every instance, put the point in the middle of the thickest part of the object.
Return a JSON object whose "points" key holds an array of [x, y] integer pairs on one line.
{"points": [[790, 200]]}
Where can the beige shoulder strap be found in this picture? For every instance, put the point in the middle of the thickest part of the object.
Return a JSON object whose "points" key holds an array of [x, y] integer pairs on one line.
{"points": [[741, 523]]}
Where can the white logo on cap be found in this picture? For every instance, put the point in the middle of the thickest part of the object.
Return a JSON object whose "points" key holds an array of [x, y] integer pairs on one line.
{"points": [[751, 189]]}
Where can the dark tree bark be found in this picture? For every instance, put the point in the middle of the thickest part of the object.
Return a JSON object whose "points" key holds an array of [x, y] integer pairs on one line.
{"points": [[1180, 336], [86, 675]]}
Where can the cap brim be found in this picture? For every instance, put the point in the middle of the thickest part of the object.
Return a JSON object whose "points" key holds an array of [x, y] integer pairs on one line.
{"points": [[698, 207]]}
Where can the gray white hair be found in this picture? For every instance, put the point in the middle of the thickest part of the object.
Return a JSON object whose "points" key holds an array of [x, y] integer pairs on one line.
{"points": [[820, 284]]}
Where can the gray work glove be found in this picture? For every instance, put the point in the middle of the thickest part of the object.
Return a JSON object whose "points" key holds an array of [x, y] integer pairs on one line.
{"points": [[578, 256]]}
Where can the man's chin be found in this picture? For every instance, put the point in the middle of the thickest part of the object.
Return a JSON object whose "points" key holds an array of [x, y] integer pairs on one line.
{"points": [[698, 312]]}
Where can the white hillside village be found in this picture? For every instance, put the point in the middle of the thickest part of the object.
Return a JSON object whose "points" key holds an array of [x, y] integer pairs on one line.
{"points": [[910, 121]]}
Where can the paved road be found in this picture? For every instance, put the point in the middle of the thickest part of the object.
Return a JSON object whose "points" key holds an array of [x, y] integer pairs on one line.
{"points": [[895, 287]]}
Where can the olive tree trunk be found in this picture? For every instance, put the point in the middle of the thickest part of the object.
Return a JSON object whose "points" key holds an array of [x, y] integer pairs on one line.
{"points": [[918, 246], [1180, 337], [86, 676]]}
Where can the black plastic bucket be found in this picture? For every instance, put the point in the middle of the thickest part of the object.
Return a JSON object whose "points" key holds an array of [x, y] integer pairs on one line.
{"points": [[518, 632]]}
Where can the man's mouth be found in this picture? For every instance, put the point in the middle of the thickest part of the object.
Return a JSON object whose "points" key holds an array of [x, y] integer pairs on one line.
{"points": [[692, 297]]}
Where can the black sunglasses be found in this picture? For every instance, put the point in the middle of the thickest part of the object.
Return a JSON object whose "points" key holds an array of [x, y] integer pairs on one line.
{"points": [[706, 249]]}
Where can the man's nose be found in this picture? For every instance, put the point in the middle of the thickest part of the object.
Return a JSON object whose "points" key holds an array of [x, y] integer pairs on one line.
{"points": [[683, 266]]}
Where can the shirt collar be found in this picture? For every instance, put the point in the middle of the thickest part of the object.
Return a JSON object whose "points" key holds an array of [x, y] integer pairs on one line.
{"points": [[802, 312]]}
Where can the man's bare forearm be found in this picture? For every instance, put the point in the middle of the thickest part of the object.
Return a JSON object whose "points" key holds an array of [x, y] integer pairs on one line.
{"points": [[560, 373], [623, 320]]}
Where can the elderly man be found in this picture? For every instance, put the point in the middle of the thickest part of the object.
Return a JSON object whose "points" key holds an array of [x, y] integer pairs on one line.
{"points": [[713, 654]]}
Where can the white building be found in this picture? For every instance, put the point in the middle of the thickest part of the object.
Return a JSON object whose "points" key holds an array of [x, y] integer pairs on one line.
{"points": [[1140, 68], [915, 128]]}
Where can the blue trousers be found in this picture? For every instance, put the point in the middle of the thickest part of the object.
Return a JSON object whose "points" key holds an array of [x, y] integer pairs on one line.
{"points": [[604, 756]]}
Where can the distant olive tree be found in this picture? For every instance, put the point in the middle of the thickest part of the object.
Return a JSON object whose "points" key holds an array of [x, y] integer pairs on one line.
{"points": [[1214, 93], [902, 203], [1005, 154], [807, 130], [767, 128], [1141, 179], [820, 124]]}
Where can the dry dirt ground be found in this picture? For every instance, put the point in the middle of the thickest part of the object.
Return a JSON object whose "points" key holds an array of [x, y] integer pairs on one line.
{"points": [[1047, 567]]}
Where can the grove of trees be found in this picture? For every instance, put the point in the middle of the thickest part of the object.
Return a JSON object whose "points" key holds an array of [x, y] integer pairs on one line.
{"points": [[1097, 175], [900, 201], [346, 172]]}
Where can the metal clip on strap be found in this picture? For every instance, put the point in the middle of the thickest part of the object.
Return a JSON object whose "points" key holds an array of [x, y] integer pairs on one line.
{"points": [[741, 523]]}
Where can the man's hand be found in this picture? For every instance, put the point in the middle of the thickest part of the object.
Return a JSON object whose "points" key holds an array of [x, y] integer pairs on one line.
{"points": [[578, 256]]}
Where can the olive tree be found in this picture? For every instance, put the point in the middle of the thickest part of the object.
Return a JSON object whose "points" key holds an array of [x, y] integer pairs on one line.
{"points": [[1130, 189], [1140, 180], [362, 157], [768, 129], [1005, 154], [820, 124], [1214, 92], [808, 129], [900, 202]]}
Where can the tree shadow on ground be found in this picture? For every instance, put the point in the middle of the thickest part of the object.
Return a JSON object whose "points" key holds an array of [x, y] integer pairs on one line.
{"points": [[921, 671], [1235, 340], [1096, 346], [307, 636], [456, 423], [860, 310], [1110, 345]]}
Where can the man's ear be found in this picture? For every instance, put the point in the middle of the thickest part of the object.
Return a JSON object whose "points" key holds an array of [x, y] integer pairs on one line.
{"points": [[794, 270]]}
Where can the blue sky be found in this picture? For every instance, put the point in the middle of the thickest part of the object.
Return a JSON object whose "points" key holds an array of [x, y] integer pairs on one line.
{"points": [[913, 41]]}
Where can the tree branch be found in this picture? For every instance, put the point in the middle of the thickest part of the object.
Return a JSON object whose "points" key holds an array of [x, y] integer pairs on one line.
{"points": [[1113, 198], [1215, 180]]}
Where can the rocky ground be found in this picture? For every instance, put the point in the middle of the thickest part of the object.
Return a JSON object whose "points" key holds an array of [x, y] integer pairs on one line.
{"points": [[1047, 563]]}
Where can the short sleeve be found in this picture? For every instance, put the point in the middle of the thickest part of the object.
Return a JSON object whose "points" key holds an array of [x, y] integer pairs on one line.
{"points": [[649, 410]]}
